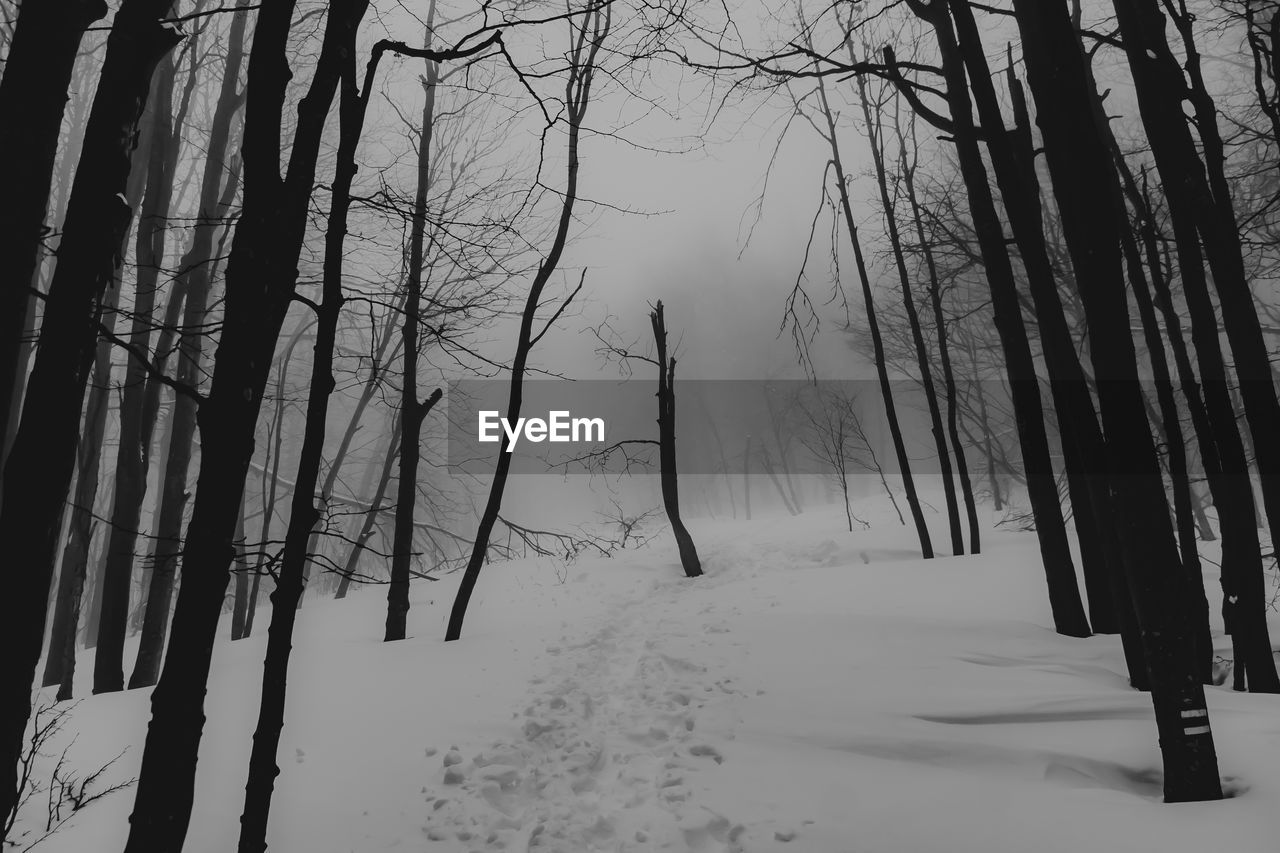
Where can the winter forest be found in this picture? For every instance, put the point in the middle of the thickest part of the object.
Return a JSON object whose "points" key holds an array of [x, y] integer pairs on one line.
{"points": [[638, 425]]}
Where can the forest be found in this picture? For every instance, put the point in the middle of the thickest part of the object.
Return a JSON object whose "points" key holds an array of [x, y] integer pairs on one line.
{"points": [[966, 490]]}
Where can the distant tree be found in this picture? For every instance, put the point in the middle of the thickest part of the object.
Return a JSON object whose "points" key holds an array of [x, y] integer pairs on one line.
{"points": [[832, 430]]}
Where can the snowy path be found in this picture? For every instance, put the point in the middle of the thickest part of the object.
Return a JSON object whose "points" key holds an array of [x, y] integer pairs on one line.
{"points": [[610, 746]]}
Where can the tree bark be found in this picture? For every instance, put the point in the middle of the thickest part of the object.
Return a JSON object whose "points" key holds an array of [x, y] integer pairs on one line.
{"points": [[133, 449], [1080, 170], [667, 445], [60, 664], [33, 97], [217, 191], [1064, 592], [261, 278], [38, 470]]}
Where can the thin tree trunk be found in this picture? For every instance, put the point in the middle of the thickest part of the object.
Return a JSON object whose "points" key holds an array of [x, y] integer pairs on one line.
{"points": [[240, 602], [412, 412], [873, 327], [304, 513], [944, 354], [667, 446], [588, 38], [875, 138], [370, 517]]}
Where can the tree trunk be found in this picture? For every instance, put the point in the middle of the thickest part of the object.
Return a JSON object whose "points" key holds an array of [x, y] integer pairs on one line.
{"points": [[877, 343], [875, 138], [1081, 174], [1084, 452], [60, 665], [412, 412], [217, 191], [1221, 236], [134, 446], [589, 35], [240, 604], [944, 354], [38, 470], [667, 445], [1064, 592], [1194, 217], [304, 514], [370, 517], [33, 96], [261, 278]]}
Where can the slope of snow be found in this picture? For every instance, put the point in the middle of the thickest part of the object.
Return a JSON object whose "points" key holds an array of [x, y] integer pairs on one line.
{"points": [[818, 691]]}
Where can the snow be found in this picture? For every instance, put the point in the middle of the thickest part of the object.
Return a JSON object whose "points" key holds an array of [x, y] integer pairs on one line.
{"points": [[817, 691]]}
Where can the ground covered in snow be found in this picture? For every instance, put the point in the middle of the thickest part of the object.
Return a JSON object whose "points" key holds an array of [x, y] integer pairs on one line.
{"points": [[818, 692]]}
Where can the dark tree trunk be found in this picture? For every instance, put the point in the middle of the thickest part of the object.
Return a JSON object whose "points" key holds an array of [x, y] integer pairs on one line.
{"points": [[875, 138], [1184, 503], [944, 351], [134, 446], [1222, 450], [590, 34], [1012, 157], [304, 513], [1064, 592], [33, 96], [412, 411], [1197, 215], [1221, 236], [667, 445], [217, 190], [1082, 176], [240, 605], [877, 343], [60, 664], [38, 470], [261, 278]]}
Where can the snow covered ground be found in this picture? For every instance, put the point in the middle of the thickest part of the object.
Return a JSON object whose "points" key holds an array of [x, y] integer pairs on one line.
{"points": [[818, 691]]}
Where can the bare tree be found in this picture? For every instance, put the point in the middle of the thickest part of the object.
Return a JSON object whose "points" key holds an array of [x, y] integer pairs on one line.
{"points": [[832, 435], [588, 32]]}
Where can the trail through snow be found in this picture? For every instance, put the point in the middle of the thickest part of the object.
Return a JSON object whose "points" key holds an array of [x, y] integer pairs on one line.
{"points": [[611, 745]]}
